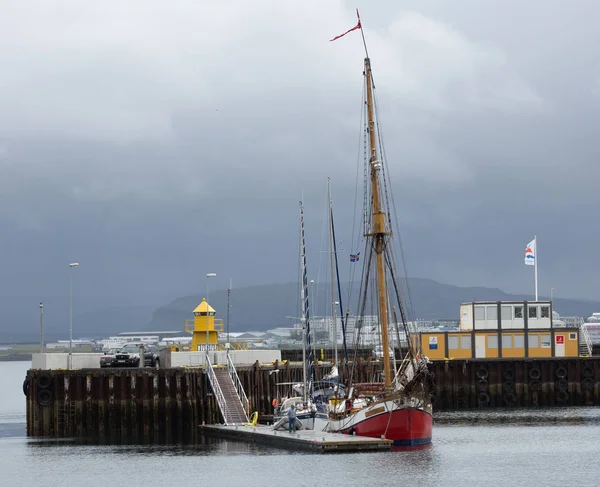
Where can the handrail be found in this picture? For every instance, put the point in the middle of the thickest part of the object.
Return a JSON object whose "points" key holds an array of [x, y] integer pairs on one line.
{"points": [[239, 388], [216, 389], [586, 339]]}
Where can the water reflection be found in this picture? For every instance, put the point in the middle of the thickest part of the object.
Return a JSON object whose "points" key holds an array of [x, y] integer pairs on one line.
{"points": [[520, 417]]}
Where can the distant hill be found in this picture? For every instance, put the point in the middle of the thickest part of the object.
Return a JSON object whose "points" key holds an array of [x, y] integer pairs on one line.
{"points": [[252, 308], [263, 307]]}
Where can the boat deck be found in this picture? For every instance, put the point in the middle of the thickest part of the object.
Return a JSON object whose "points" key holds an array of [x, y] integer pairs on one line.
{"points": [[318, 441]]}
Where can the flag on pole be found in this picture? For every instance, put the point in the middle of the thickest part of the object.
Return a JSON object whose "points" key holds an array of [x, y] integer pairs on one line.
{"points": [[357, 26], [530, 253], [354, 257]]}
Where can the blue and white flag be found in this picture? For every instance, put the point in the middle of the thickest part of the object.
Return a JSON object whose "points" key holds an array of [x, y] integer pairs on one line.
{"points": [[354, 257], [530, 253]]}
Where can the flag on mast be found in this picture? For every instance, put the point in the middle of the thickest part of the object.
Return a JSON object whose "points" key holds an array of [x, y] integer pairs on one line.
{"points": [[530, 252], [357, 26]]}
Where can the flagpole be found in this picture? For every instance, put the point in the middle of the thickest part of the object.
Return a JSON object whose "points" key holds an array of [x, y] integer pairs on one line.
{"points": [[536, 267]]}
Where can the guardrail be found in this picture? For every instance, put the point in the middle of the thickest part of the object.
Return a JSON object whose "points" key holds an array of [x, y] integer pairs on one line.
{"points": [[217, 389]]}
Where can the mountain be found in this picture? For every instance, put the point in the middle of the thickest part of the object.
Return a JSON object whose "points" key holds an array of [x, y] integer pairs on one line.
{"points": [[266, 306], [252, 308]]}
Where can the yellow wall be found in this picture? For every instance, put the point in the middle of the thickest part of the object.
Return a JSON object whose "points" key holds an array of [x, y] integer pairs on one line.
{"points": [[571, 346], [539, 352], [489, 352], [512, 352], [435, 354], [460, 352]]}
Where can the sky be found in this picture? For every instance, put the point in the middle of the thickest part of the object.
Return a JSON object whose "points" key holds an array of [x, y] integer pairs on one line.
{"points": [[154, 142]]}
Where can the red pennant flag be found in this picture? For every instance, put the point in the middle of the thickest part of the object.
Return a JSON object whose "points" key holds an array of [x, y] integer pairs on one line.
{"points": [[357, 26]]}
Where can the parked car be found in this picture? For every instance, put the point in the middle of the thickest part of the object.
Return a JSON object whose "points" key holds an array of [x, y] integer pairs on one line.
{"points": [[129, 356], [378, 352], [109, 357]]}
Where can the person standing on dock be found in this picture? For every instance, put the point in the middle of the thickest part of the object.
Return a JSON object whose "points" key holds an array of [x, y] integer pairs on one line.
{"points": [[292, 418]]}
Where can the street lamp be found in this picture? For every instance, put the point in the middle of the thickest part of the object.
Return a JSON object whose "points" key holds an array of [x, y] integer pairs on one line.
{"points": [[73, 264], [211, 274], [41, 327]]}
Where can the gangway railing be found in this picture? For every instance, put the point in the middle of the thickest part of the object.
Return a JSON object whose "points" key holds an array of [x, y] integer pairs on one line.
{"points": [[217, 389], [239, 388]]}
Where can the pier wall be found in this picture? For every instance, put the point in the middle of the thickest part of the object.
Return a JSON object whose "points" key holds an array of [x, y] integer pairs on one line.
{"points": [[156, 405]]}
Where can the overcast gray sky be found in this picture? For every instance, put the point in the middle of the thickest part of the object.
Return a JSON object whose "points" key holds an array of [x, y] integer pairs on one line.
{"points": [[157, 141]]}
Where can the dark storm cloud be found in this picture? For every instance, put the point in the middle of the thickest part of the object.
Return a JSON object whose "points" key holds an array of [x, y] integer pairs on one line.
{"points": [[156, 143]]}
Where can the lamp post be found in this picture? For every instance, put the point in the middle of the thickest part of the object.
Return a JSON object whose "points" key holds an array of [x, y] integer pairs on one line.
{"points": [[73, 264], [41, 327], [211, 274]]}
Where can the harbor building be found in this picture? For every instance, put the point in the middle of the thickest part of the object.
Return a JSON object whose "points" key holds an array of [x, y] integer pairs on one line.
{"points": [[506, 329]]}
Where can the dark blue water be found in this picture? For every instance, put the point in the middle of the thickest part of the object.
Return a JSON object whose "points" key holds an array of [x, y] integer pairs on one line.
{"points": [[553, 447]]}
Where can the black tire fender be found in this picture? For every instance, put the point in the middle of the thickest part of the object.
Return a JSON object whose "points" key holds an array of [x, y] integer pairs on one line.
{"points": [[588, 372], [509, 374], [561, 372], [482, 373], [44, 381], [26, 386], [45, 397], [535, 373]]}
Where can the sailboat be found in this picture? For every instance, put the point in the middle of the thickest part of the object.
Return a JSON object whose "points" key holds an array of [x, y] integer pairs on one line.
{"points": [[398, 407], [310, 398]]}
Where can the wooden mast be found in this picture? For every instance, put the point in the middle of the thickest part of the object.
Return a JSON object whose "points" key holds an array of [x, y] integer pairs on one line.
{"points": [[378, 230]]}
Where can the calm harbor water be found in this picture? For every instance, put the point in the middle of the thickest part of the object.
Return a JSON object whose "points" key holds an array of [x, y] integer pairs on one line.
{"points": [[551, 447]]}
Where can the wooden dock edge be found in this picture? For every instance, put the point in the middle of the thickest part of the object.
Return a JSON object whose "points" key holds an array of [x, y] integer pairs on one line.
{"points": [[296, 442]]}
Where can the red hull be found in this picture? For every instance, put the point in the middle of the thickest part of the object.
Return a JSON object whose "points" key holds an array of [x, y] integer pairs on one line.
{"points": [[407, 427]]}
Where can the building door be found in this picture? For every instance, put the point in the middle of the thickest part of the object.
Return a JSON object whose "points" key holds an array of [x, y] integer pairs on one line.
{"points": [[559, 345], [480, 346]]}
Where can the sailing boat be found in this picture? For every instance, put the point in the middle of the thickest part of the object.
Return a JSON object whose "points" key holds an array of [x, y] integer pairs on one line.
{"points": [[311, 397], [399, 407]]}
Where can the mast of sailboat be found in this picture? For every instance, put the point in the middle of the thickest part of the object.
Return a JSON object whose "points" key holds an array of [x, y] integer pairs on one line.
{"points": [[378, 232], [302, 315], [332, 269], [378, 229], [307, 354]]}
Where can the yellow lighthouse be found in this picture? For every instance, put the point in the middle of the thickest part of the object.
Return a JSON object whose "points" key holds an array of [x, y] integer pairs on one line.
{"points": [[204, 319]]}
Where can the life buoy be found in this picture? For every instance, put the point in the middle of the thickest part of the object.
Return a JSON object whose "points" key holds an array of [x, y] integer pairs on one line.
{"points": [[44, 381], [275, 402], [26, 386], [535, 385], [509, 374], [482, 373], [561, 372], [588, 372], [45, 397], [535, 373]]}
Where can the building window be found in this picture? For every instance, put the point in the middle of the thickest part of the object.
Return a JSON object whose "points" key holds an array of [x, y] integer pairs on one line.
{"points": [[545, 340], [519, 341], [465, 342], [506, 313], [572, 336], [533, 341], [452, 343], [479, 312], [492, 341], [506, 341], [491, 313], [532, 312], [544, 311], [519, 312]]}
